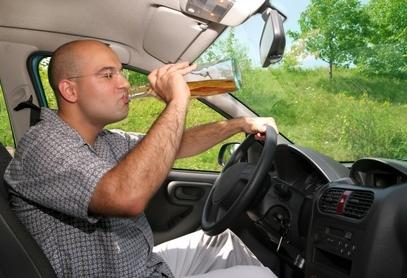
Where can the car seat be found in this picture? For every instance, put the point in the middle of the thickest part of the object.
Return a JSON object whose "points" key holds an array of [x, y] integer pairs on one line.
{"points": [[20, 255]]}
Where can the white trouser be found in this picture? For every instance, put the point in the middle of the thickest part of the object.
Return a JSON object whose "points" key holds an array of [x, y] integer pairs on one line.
{"points": [[198, 255]]}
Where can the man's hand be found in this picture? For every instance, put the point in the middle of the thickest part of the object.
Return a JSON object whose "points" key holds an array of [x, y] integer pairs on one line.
{"points": [[257, 126], [168, 81]]}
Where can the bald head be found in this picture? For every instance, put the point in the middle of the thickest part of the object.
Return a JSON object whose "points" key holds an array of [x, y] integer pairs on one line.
{"points": [[67, 61]]}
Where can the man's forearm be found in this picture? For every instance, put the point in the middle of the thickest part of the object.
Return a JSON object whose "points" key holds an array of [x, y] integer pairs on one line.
{"points": [[127, 188], [198, 139]]}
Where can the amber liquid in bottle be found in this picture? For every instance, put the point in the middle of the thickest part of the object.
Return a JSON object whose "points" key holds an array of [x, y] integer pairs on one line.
{"points": [[211, 87], [198, 88]]}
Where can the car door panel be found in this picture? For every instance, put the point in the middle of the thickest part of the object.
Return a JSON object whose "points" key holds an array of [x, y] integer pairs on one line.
{"points": [[177, 206]]}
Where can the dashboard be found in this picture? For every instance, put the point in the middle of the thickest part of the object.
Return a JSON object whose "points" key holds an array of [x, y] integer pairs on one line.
{"points": [[379, 172], [306, 170], [337, 222]]}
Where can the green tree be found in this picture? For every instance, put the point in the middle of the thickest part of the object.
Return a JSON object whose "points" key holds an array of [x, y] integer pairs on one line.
{"points": [[290, 61], [333, 30], [386, 51]]}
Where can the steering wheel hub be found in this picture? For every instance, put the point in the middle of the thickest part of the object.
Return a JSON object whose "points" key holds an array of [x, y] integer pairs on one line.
{"points": [[231, 183]]}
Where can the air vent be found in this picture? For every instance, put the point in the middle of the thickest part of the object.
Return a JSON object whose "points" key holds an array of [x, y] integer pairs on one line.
{"points": [[330, 199], [353, 204], [358, 204]]}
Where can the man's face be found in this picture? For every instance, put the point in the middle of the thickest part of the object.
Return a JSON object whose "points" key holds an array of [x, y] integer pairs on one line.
{"points": [[102, 89]]}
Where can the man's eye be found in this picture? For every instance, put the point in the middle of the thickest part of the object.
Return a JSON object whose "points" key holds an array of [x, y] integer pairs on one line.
{"points": [[107, 75]]}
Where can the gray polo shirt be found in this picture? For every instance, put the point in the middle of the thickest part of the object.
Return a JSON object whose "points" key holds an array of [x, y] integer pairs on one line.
{"points": [[52, 179]]}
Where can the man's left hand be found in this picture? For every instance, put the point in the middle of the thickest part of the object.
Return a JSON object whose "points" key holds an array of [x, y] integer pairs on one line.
{"points": [[257, 126]]}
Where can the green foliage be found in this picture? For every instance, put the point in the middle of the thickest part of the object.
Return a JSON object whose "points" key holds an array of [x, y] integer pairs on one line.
{"points": [[290, 60], [332, 30], [344, 33], [383, 59], [389, 20], [386, 51]]}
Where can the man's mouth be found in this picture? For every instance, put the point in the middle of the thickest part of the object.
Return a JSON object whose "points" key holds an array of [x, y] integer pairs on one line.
{"points": [[125, 97]]}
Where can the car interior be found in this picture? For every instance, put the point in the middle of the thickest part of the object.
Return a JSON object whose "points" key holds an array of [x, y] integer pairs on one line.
{"points": [[302, 213]]}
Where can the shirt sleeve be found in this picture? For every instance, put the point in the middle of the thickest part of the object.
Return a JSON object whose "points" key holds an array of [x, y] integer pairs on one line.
{"points": [[61, 177], [122, 140]]}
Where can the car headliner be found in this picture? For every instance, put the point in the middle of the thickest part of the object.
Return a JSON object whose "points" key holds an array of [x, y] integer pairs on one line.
{"points": [[144, 33]]}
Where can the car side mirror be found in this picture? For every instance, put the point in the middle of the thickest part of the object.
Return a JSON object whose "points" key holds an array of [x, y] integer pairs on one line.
{"points": [[272, 41], [226, 151]]}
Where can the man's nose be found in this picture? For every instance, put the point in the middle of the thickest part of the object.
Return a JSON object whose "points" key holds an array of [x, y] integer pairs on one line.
{"points": [[123, 82]]}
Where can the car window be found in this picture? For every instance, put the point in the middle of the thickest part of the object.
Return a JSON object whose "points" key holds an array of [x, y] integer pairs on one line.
{"points": [[143, 112], [49, 93], [6, 137]]}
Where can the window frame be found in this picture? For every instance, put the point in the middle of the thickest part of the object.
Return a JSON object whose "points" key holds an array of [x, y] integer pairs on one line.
{"points": [[33, 64]]}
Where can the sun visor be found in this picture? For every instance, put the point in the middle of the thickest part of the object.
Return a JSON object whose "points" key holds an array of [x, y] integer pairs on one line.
{"points": [[121, 51], [170, 33]]}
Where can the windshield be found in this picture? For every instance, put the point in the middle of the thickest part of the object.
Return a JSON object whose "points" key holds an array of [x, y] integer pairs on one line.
{"points": [[340, 88]]}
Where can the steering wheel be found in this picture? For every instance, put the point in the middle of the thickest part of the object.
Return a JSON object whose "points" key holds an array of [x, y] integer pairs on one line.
{"points": [[237, 185]]}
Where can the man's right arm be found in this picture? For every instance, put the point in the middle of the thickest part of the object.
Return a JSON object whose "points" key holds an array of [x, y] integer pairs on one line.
{"points": [[126, 189]]}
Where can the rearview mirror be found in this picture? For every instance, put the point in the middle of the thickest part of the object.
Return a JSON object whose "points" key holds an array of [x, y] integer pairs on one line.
{"points": [[272, 41]]}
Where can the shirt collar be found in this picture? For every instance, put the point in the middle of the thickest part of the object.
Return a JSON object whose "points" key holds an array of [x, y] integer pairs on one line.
{"points": [[51, 117]]}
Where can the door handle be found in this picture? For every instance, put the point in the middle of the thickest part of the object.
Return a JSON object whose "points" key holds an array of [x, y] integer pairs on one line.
{"points": [[187, 191]]}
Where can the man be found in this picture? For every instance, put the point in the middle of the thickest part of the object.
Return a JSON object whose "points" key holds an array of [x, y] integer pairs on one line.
{"points": [[81, 190]]}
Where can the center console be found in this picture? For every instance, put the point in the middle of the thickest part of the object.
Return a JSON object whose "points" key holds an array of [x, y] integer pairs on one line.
{"points": [[355, 232], [333, 249]]}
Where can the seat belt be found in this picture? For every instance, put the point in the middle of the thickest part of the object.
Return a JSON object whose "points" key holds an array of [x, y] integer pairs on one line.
{"points": [[35, 110]]}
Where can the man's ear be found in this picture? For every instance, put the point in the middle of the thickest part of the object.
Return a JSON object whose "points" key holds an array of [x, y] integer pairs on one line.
{"points": [[68, 90]]}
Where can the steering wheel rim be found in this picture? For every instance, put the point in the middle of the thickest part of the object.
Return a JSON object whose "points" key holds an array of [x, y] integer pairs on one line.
{"points": [[215, 218]]}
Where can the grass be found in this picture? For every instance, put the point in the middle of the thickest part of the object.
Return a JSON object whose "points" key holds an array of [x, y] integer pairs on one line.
{"points": [[349, 117]]}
